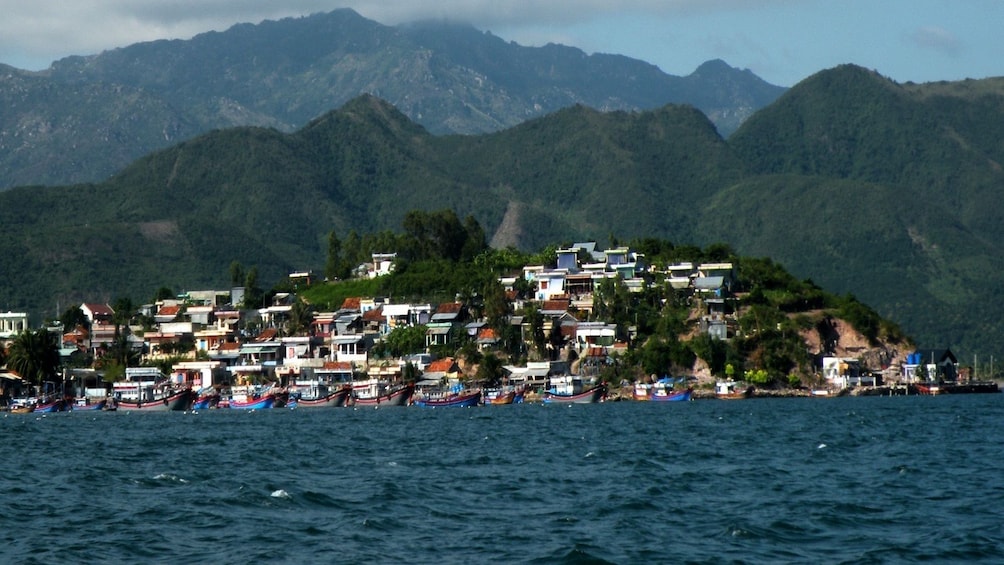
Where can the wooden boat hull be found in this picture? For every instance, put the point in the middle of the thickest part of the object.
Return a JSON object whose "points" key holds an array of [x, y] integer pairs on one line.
{"points": [[178, 402], [398, 397], [504, 398], [335, 399], [457, 401], [590, 396]]}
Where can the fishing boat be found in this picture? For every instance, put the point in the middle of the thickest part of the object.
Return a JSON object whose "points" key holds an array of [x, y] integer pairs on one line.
{"points": [[320, 399], [206, 398], [88, 404], [452, 400], [147, 389], [570, 390], [50, 404], [663, 390], [730, 390], [660, 394], [499, 398], [22, 406], [251, 398], [167, 400], [374, 392]]}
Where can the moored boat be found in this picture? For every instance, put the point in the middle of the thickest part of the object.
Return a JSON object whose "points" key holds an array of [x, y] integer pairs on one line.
{"points": [[730, 390], [252, 399], [167, 401], [370, 393], [569, 389], [22, 406], [86, 404], [147, 389], [458, 400], [502, 398], [206, 398], [670, 395], [50, 404], [327, 399]]}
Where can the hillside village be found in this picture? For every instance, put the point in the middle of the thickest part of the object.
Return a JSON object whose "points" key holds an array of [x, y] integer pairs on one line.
{"points": [[203, 338]]}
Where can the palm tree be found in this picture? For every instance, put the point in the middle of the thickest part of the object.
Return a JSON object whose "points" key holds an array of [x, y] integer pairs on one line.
{"points": [[34, 356]]}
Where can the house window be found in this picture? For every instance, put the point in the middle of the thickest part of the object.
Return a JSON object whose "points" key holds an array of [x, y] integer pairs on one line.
{"points": [[543, 285]]}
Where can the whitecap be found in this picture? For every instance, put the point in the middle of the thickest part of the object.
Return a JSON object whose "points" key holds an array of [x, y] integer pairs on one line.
{"points": [[821, 446], [169, 477], [280, 494]]}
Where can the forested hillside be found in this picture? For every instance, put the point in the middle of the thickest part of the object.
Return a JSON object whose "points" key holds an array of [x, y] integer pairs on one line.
{"points": [[885, 191]]}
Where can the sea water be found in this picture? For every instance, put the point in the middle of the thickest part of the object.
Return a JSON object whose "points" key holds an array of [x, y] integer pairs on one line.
{"points": [[841, 480]]}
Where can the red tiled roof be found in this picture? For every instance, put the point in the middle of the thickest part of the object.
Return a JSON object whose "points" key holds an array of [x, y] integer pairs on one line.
{"points": [[555, 305], [338, 365], [487, 333], [267, 335], [449, 308], [374, 315], [229, 346], [351, 303]]}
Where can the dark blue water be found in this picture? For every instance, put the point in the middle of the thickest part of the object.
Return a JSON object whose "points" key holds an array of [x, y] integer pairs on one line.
{"points": [[845, 480]]}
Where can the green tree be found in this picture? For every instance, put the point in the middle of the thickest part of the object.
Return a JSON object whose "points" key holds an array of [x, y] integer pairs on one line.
{"points": [[163, 293], [490, 371], [405, 340], [535, 320], [73, 318], [301, 315], [333, 265], [34, 356], [237, 274]]}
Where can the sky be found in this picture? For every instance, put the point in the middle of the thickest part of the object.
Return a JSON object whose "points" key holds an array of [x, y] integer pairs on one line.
{"points": [[781, 41]]}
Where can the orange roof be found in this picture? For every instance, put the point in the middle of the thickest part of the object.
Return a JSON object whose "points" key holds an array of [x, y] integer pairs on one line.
{"points": [[351, 303], [374, 315], [229, 346], [338, 365], [487, 333], [440, 366], [169, 310]]}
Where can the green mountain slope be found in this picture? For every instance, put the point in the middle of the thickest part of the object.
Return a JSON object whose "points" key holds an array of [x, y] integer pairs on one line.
{"points": [[885, 191]]}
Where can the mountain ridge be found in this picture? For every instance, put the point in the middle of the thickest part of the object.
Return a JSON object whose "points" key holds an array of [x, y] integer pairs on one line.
{"points": [[451, 78]]}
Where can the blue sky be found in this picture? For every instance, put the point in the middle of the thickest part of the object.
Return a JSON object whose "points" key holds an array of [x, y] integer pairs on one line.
{"points": [[782, 41]]}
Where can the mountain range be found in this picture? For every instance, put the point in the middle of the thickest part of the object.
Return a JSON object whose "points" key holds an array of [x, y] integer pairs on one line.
{"points": [[887, 191], [86, 117]]}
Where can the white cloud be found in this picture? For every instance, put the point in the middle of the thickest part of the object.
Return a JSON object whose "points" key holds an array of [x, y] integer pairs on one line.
{"points": [[937, 39]]}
